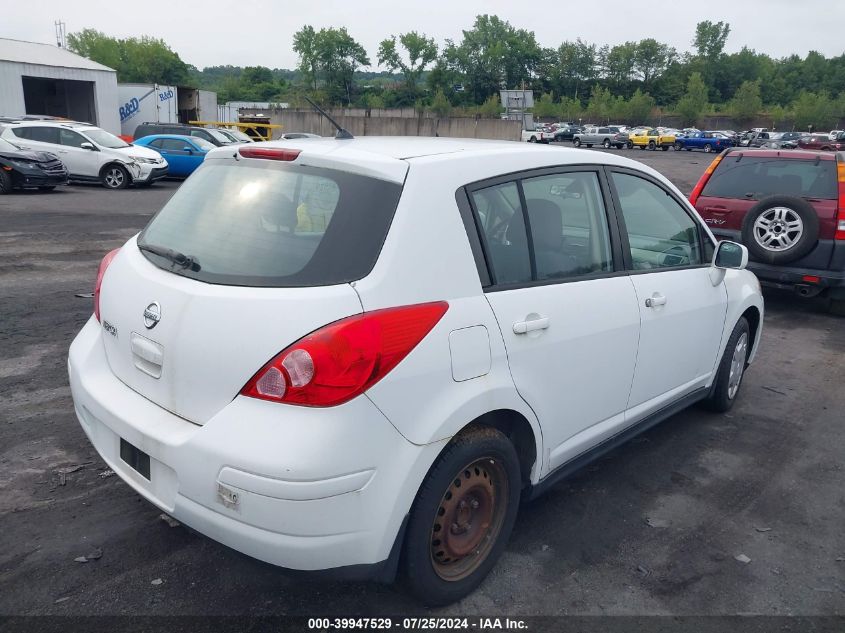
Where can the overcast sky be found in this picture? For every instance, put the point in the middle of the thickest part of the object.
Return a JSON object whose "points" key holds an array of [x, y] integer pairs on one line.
{"points": [[259, 32]]}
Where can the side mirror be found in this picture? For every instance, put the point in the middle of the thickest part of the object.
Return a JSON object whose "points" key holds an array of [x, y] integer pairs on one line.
{"points": [[88, 146], [188, 149], [730, 255]]}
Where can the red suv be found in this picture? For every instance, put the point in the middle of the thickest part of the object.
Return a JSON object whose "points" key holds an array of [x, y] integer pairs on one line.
{"points": [[788, 209]]}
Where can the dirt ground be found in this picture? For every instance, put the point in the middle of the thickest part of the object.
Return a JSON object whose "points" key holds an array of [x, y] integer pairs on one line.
{"points": [[653, 528]]}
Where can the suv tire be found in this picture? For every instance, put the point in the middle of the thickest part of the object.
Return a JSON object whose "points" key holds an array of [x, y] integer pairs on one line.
{"points": [[731, 369], [5, 182], [606, 143], [114, 177], [576, 142], [780, 213], [652, 146], [436, 570]]}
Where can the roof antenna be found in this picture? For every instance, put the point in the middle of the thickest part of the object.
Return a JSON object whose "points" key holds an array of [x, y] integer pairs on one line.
{"points": [[341, 133]]}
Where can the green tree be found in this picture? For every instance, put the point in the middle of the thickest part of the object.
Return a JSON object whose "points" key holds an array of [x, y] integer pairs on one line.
{"points": [[492, 55], [710, 38], [419, 52], [333, 56], [491, 107], [305, 45], [440, 105], [600, 104], [640, 106], [545, 106], [651, 59], [96, 46], [747, 103], [694, 103], [814, 109]]}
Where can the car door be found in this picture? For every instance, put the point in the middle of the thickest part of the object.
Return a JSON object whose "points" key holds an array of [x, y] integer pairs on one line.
{"points": [[78, 160], [173, 150], [566, 309], [682, 312], [38, 138]]}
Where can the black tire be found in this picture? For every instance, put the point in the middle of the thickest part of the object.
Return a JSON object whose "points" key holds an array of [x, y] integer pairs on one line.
{"points": [[5, 182], [47, 188], [606, 143], [620, 145], [630, 145], [473, 448], [533, 139], [114, 177], [652, 145], [589, 144], [723, 394], [678, 146], [708, 148], [576, 142], [804, 244], [664, 148]]}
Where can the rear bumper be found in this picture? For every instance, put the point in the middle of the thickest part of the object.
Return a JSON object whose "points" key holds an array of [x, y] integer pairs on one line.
{"points": [[306, 489], [828, 253]]}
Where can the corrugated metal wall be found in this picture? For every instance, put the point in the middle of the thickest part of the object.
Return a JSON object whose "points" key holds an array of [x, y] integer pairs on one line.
{"points": [[105, 90]]}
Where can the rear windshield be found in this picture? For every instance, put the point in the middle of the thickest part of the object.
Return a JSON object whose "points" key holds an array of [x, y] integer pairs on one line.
{"points": [[271, 225], [757, 177]]}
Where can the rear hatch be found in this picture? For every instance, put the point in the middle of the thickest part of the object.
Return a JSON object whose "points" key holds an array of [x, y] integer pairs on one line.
{"points": [[742, 179], [247, 257]]}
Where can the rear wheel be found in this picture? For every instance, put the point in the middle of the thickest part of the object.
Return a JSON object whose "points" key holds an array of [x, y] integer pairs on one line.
{"points": [[606, 143], [708, 148], [462, 516], [576, 142], [678, 147], [620, 145], [115, 177], [731, 369], [665, 148], [651, 145], [533, 139]]}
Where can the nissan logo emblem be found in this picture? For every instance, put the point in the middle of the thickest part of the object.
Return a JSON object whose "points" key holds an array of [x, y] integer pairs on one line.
{"points": [[152, 315]]}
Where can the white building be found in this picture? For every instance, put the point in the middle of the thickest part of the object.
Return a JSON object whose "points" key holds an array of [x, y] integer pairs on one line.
{"points": [[44, 79]]}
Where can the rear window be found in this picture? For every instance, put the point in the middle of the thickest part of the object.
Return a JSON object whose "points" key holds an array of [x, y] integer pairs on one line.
{"points": [[272, 225], [757, 177]]}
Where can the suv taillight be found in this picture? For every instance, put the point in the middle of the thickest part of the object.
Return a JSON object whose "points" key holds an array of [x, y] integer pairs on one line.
{"points": [[840, 213], [340, 361], [104, 264], [693, 197]]}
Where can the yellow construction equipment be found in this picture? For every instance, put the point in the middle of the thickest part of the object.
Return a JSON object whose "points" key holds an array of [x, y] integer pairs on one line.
{"points": [[259, 130]]}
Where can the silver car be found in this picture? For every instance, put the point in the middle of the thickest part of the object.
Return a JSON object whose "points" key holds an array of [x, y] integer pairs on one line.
{"points": [[605, 136]]}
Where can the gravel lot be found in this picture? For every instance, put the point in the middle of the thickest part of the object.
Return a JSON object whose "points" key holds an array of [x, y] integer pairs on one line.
{"points": [[653, 528]]}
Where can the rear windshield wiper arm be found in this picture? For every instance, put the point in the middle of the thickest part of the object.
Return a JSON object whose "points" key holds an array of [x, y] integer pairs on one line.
{"points": [[180, 259]]}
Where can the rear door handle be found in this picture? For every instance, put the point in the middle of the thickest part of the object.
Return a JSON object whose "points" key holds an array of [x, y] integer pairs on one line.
{"points": [[521, 327], [655, 300]]}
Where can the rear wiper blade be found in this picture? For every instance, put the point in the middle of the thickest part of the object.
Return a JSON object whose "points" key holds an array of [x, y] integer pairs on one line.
{"points": [[180, 259]]}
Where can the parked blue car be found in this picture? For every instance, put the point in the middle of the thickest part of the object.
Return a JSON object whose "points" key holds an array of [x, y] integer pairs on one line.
{"points": [[708, 141], [182, 153]]}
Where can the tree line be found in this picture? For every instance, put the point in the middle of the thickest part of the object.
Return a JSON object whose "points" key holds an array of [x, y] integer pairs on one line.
{"points": [[628, 82]]}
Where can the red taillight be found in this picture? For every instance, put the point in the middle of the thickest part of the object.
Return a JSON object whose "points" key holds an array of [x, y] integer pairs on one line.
{"points": [[840, 214], [693, 197], [269, 153], [100, 272], [811, 279], [343, 359]]}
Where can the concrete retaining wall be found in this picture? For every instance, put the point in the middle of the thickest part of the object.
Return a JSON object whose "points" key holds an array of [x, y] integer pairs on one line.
{"points": [[294, 121]]}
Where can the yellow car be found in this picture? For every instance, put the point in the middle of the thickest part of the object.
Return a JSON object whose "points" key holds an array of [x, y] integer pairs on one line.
{"points": [[651, 139]]}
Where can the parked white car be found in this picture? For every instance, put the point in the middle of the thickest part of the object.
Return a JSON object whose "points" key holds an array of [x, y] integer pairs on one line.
{"points": [[90, 153], [537, 135], [336, 354]]}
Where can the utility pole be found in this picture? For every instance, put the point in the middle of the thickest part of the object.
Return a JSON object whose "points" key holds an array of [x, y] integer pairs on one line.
{"points": [[61, 39]]}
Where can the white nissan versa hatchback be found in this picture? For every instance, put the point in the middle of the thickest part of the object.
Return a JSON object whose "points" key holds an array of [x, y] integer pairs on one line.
{"points": [[359, 355]]}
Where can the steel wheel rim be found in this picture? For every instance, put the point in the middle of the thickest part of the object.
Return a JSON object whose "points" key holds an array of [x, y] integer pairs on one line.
{"points": [[469, 518], [778, 229], [737, 365], [606, 144], [114, 178]]}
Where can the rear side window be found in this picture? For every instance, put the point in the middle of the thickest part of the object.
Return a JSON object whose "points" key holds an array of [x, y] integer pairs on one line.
{"points": [[41, 134], [754, 178], [274, 226]]}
